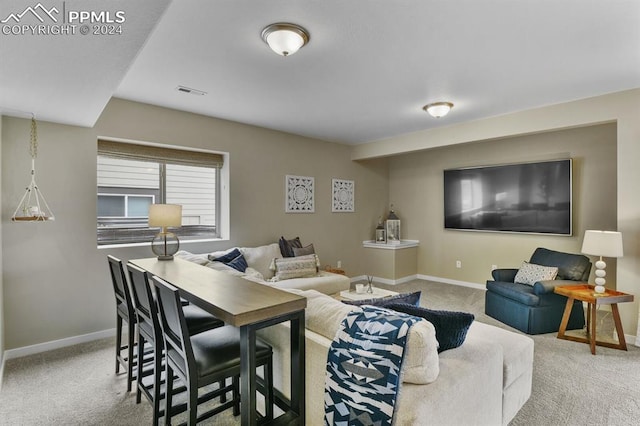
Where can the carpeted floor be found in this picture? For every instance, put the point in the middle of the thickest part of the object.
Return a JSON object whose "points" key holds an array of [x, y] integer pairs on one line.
{"points": [[77, 385]]}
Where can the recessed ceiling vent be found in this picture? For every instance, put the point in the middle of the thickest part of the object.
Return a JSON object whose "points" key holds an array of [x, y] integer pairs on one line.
{"points": [[185, 89]]}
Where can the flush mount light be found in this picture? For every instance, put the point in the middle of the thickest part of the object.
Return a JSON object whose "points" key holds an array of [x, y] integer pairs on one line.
{"points": [[285, 39], [438, 109]]}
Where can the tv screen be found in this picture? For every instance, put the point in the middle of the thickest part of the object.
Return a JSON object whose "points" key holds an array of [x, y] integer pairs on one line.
{"points": [[527, 197]]}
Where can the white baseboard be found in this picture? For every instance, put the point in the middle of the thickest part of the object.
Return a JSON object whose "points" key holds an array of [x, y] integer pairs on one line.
{"points": [[56, 344], [385, 280], [454, 282], [1, 370]]}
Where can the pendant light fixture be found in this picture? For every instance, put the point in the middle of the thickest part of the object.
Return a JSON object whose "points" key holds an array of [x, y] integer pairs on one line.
{"points": [[33, 207], [284, 38]]}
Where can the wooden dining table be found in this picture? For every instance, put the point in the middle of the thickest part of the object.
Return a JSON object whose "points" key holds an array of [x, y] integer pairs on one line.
{"points": [[250, 306]]}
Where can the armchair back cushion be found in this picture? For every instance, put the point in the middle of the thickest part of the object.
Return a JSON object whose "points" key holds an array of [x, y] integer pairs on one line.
{"points": [[574, 267]]}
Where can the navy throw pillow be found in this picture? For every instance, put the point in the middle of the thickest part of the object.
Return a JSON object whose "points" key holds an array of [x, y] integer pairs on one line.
{"points": [[234, 259], [451, 327], [239, 263], [226, 258], [404, 298]]}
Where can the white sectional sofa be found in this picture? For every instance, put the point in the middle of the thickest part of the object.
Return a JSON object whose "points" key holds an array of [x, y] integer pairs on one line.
{"points": [[259, 260], [485, 381]]}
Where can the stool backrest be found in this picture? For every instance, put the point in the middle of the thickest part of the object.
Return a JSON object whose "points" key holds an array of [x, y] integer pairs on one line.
{"points": [[173, 323], [143, 298], [120, 285]]}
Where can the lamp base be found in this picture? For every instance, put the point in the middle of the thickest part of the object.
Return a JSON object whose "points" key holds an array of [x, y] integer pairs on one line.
{"points": [[165, 245], [599, 289]]}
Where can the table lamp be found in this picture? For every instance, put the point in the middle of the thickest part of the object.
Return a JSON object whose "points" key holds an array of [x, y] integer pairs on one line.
{"points": [[602, 243], [165, 244]]}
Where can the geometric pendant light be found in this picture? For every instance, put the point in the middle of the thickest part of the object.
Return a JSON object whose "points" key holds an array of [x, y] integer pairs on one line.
{"points": [[33, 207]]}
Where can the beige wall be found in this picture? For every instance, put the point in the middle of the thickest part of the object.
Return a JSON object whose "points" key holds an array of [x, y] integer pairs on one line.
{"points": [[1, 282], [621, 108], [416, 185], [56, 280]]}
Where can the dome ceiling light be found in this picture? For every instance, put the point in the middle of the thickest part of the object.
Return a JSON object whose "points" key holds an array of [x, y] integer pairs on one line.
{"points": [[438, 109], [285, 39]]}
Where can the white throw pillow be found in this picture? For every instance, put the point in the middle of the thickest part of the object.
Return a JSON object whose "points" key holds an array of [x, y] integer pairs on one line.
{"points": [[421, 364], [530, 273], [287, 268], [259, 258]]}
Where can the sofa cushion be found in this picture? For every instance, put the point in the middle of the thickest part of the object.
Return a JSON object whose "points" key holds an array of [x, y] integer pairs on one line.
{"points": [[522, 293], [259, 258], [286, 246], [410, 298], [295, 267], [451, 327], [324, 282], [517, 349], [530, 273], [303, 251], [324, 314]]}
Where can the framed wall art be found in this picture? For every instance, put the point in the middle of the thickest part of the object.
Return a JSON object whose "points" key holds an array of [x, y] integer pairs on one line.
{"points": [[300, 194], [342, 195]]}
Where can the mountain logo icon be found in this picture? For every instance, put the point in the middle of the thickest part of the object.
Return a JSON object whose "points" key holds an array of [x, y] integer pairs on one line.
{"points": [[39, 11]]}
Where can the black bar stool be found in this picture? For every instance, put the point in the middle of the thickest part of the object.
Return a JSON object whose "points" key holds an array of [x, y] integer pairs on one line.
{"points": [[205, 358]]}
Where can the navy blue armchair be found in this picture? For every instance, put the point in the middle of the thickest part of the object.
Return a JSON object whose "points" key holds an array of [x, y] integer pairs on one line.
{"points": [[537, 309]]}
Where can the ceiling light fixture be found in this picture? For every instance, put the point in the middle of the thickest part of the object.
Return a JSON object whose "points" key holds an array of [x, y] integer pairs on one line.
{"points": [[438, 109], [285, 39]]}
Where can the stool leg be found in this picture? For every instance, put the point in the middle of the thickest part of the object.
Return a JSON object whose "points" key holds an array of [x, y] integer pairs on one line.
{"points": [[192, 407], [236, 395], [118, 341], [130, 355], [157, 380], [223, 396], [168, 394], [139, 375]]}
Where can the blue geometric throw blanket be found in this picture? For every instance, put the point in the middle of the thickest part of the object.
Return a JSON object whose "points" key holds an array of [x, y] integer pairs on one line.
{"points": [[363, 367]]}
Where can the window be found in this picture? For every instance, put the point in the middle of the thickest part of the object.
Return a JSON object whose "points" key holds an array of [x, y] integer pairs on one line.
{"points": [[132, 177]]}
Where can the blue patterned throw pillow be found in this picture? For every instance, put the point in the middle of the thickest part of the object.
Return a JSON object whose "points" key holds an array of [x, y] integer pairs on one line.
{"points": [[408, 298], [451, 327]]}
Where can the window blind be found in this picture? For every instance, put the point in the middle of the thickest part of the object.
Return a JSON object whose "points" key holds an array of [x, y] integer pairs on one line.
{"points": [[158, 153]]}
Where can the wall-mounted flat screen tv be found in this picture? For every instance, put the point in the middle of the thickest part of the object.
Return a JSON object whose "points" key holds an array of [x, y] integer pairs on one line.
{"points": [[526, 197]]}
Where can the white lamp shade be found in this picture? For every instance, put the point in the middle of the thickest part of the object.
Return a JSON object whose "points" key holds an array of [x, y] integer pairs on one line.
{"points": [[602, 243], [438, 109], [164, 215]]}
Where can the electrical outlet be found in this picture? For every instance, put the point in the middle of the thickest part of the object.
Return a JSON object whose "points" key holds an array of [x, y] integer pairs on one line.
{"points": [[458, 264], [494, 267], [339, 264]]}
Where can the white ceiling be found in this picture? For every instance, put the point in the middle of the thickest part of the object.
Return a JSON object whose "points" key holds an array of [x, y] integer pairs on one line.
{"points": [[367, 71]]}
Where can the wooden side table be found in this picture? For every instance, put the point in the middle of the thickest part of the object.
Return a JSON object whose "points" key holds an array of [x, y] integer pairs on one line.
{"points": [[586, 293]]}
